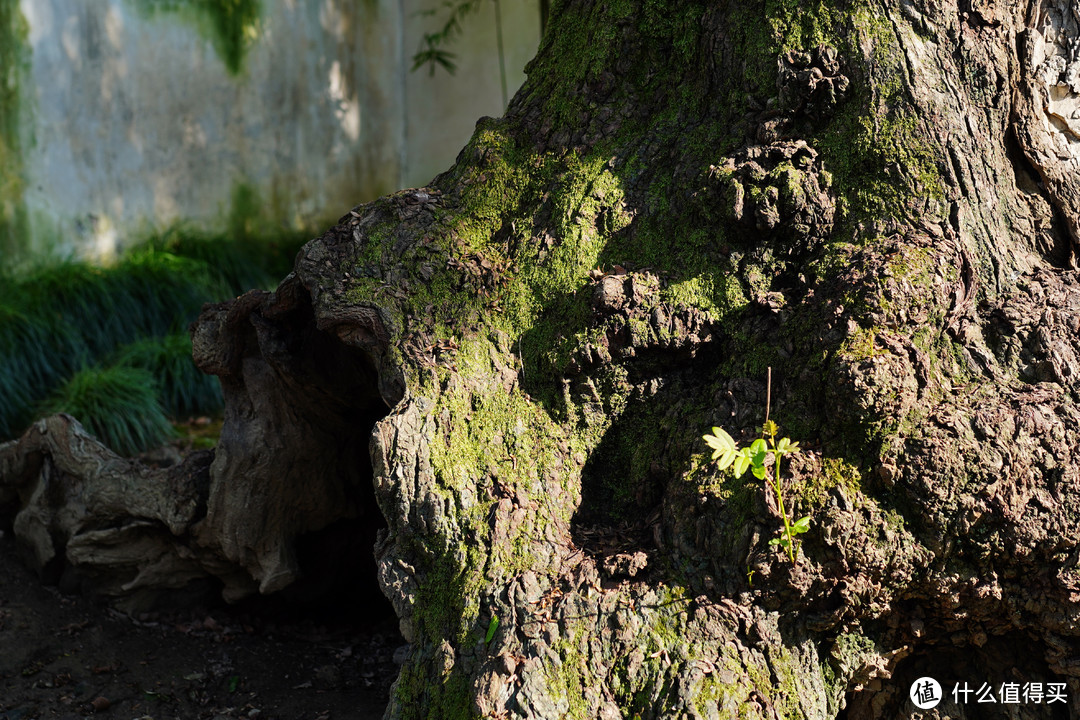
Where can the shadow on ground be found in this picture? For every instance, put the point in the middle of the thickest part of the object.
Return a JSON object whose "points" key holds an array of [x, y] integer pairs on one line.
{"points": [[70, 657]]}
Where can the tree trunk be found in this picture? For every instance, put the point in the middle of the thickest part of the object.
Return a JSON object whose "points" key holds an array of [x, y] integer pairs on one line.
{"points": [[878, 200]]}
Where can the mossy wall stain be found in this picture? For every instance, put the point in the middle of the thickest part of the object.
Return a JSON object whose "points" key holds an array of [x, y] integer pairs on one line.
{"points": [[249, 216], [14, 62], [232, 25]]}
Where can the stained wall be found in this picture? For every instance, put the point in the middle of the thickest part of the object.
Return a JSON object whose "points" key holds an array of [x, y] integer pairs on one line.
{"points": [[132, 115]]}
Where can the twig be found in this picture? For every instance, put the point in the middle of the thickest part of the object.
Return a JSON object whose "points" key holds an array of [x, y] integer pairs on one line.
{"points": [[768, 392]]}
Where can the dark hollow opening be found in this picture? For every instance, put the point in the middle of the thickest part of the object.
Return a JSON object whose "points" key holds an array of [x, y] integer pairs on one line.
{"points": [[333, 388]]}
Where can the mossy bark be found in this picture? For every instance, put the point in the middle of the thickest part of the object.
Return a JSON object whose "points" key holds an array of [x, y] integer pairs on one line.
{"points": [[874, 199], [845, 193], [681, 196]]}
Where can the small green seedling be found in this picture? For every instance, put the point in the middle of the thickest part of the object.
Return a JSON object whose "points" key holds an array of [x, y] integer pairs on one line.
{"points": [[727, 454]]}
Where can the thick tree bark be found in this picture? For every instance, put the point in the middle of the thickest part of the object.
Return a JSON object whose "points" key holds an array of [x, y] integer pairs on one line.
{"points": [[879, 200]]}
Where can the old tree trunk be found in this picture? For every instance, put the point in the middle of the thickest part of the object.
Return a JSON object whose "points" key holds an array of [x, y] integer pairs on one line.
{"points": [[880, 200]]}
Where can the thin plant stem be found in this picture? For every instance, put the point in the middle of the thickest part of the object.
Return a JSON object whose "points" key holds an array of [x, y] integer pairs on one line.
{"points": [[768, 392], [783, 512]]}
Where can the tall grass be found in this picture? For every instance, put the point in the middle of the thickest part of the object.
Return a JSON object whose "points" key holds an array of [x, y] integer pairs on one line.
{"points": [[64, 319], [184, 390], [119, 405], [37, 351], [146, 293], [240, 262]]}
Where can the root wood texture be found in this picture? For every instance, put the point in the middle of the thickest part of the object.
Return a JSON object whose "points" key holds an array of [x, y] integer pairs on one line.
{"points": [[877, 199]]}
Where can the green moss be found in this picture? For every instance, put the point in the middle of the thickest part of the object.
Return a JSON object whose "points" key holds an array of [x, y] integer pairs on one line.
{"points": [[861, 346], [568, 678], [799, 25], [881, 159], [766, 30], [231, 25], [835, 473], [418, 697], [663, 650], [14, 63], [850, 651], [576, 47], [873, 147]]}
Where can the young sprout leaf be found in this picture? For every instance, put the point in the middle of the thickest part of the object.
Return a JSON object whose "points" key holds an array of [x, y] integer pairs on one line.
{"points": [[786, 446], [742, 461], [723, 447], [492, 627], [719, 441], [727, 454]]}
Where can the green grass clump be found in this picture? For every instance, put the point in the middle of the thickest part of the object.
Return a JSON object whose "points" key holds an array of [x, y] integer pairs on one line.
{"points": [[119, 405], [184, 389], [146, 293], [239, 262], [36, 353], [60, 319]]}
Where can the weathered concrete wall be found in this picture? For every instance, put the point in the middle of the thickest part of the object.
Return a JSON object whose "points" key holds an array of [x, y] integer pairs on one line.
{"points": [[442, 109], [141, 113]]}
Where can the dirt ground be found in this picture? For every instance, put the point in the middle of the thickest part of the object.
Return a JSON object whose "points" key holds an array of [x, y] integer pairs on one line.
{"points": [[74, 657]]}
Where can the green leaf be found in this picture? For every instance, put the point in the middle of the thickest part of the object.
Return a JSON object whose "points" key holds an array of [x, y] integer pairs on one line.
{"points": [[758, 452], [770, 428], [741, 463], [759, 471], [432, 57], [726, 459], [719, 441], [803, 525], [724, 449], [492, 627]]}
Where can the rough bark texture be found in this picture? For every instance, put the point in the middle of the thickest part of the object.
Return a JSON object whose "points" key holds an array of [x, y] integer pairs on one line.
{"points": [[879, 200]]}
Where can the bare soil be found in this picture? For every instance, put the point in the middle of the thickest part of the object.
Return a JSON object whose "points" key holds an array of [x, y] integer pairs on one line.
{"points": [[74, 657]]}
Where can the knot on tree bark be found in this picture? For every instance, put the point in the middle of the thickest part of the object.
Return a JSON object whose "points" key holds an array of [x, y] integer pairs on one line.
{"points": [[780, 190], [1035, 330], [631, 322], [811, 84]]}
